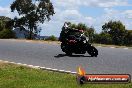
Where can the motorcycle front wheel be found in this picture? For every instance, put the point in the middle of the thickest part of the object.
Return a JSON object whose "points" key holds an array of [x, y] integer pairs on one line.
{"points": [[92, 51]]}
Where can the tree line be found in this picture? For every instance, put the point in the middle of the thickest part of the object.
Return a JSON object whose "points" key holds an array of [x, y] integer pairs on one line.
{"points": [[32, 12], [113, 32], [6, 28]]}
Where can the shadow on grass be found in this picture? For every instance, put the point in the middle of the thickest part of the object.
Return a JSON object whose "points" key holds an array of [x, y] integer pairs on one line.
{"points": [[64, 55]]}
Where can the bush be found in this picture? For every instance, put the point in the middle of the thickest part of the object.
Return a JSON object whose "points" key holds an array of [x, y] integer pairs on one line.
{"points": [[52, 38], [7, 34], [103, 38], [128, 38]]}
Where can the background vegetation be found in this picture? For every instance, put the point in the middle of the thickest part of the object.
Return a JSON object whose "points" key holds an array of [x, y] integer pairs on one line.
{"points": [[113, 32], [33, 12], [51, 38], [6, 28]]}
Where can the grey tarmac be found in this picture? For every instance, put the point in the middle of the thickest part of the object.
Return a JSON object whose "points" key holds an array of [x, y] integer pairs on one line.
{"points": [[109, 60]]}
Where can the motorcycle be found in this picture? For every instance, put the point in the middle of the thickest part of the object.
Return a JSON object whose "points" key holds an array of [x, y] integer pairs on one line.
{"points": [[78, 45]]}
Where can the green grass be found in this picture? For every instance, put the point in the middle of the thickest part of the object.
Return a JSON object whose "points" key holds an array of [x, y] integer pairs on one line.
{"points": [[14, 76], [116, 46]]}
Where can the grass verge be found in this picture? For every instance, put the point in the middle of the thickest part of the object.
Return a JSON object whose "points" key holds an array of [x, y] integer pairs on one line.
{"points": [[116, 46], [15, 76]]}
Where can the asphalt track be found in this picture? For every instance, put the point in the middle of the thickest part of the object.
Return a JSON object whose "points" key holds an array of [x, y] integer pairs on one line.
{"points": [[109, 60]]}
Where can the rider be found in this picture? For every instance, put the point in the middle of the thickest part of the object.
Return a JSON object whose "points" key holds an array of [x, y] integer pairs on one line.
{"points": [[65, 29], [83, 37]]}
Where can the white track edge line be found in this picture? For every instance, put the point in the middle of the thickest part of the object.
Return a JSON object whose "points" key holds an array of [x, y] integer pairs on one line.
{"points": [[39, 67]]}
